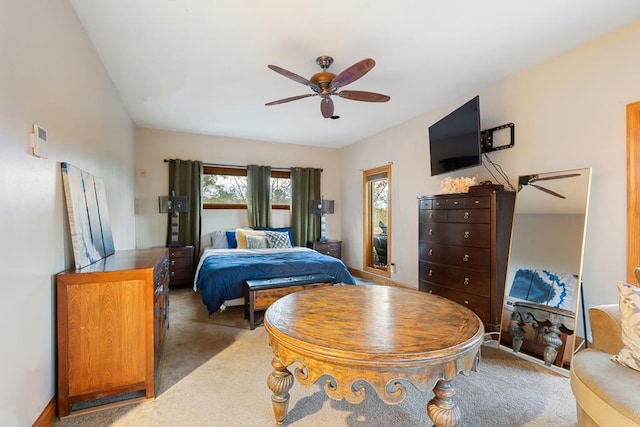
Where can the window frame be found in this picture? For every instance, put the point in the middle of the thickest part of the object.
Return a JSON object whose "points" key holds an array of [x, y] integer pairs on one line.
{"points": [[240, 171]]}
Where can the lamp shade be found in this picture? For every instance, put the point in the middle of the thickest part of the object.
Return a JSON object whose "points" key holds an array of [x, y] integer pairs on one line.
{"points": [[322, 207], [173, 204]]}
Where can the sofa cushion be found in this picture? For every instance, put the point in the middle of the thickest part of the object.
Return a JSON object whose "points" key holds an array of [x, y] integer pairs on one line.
{"points": [[601, 388], [630, 310]]}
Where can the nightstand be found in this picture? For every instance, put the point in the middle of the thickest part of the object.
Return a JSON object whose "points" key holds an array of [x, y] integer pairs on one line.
{"points": [[330, 247], [181, 266]]}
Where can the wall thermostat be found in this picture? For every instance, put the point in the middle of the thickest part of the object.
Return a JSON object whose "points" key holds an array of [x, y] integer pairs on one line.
{"points": [[39, 142]]}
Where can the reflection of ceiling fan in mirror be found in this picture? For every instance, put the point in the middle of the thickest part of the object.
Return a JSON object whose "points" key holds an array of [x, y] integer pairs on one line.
{"points": [[325, 84], [530, 179]]}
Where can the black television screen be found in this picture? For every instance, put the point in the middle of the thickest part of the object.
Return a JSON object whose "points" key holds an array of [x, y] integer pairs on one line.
{"points": [[454, 140]]}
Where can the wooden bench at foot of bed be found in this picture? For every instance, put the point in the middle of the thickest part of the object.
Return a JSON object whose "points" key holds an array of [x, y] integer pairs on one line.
{"points": [[259, 294]]}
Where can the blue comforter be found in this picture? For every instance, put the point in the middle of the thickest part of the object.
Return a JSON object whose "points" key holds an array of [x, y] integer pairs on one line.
{"points": [[222, 274]]}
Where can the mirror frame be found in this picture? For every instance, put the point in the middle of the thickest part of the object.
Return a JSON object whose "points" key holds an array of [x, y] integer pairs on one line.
{"points": [[367, 258], [583, 199], [633, 187]]}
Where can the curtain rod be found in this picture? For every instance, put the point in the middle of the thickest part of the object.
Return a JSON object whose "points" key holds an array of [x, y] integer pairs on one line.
{"points": [[222, 165]]}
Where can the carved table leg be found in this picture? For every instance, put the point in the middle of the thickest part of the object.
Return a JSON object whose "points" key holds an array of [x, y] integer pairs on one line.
{"points": [[517, 331], [442, 409], [552, 340], [280, 382]]}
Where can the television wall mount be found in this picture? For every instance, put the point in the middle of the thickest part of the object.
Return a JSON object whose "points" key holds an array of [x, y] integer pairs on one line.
{"points": [[486, 138]]}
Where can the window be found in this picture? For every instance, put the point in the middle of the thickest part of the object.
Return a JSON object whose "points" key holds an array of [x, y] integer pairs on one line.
{"points": [[377, 220], [226, 188]]}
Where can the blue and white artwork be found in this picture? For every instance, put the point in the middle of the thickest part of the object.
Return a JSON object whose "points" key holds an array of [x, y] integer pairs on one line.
{"points": [[85, 217], [544, 287]]}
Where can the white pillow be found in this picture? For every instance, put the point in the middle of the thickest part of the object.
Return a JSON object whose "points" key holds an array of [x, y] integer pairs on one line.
{"points": [[630, 310], [219, 239], [256, 242]]}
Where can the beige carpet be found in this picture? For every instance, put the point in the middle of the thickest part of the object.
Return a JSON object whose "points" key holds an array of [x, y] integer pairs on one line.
{"points": [[214, 369]]}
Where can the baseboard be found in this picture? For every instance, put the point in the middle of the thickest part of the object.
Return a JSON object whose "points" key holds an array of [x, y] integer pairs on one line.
{"points": [[48, 415], [380, 280]]}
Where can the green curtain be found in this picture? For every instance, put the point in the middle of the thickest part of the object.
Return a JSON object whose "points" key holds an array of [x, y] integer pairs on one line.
{"points": [[185, 178], [259, 195], [305, 186]]}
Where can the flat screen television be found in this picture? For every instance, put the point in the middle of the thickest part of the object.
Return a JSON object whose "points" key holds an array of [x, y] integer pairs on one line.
{"points": [[454, 140]]}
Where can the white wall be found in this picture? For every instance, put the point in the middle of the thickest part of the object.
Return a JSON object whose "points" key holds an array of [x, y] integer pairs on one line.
{"points": [[569, 112], [49, 75], [152, 176]]}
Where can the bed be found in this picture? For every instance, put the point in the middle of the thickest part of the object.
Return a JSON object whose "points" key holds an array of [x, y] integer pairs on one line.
{"points": [[221, 273]]}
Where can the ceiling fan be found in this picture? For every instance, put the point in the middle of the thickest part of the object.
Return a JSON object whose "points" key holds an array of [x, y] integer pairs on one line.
{"points": [[530, 179], [325, 84]]}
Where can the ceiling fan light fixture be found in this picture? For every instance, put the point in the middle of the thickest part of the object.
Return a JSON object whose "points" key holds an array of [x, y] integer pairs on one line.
{"points": [[325, 84]]}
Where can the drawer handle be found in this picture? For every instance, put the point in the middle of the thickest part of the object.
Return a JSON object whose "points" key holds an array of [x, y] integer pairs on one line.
{"points": [[431, 232], [430, 291], [173, 262], [466, 302], [466, 215], [465, 258], [431, 215], [430, 273], [455, 202], [466, 234], [430, 252], [476, 202], [173, 273], [465, 281]]}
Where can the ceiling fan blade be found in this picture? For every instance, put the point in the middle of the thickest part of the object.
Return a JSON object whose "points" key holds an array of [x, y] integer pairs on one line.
{"points": [[353, 73], [326, 106], [569, 175], [358, 95], [292, 76], [546, 190], [293, 98]]}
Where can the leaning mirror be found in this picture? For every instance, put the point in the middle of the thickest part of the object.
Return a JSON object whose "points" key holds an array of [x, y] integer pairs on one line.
{"points": [[542, 289]]}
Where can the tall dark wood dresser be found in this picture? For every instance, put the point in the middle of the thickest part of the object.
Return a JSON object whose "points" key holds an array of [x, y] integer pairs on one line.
{"points": [[464, 247]]}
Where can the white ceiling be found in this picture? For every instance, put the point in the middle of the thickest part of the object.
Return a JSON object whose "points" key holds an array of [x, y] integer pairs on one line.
{"points": [[201, 65]]}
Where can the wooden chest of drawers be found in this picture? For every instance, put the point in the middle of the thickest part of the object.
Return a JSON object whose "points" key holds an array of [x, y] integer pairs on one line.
{"points": [[464, 248], [112, 317], [181, 266]]}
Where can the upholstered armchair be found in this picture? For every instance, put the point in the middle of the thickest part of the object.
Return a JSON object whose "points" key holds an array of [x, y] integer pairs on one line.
{"points": [[606, 393]]}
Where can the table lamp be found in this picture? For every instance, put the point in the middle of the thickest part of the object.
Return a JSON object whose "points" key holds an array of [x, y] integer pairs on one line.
{"points": [[173, 205], [322, 207]]}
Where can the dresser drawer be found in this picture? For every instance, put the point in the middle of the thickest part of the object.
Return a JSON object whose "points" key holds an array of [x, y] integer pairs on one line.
{"points": [[476, 202], [433, 215], [472, 281], [426, 204], [457, 234], [469, 215], [452, 202], [457, 256], [480, 305], [331, 248]]}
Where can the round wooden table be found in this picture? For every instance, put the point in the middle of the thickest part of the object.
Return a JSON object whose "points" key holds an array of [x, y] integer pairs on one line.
{"points": [[376, 334]]}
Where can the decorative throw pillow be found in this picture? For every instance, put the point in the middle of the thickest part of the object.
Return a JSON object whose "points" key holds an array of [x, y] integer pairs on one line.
{"points": [[242, 233], [278, 239], [630, 310], [288, 230], [231, 239], [219, 239], [256, 242]]}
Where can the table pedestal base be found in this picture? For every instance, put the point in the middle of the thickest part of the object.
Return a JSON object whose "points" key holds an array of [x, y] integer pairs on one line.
{"points": [[442, 410]]}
